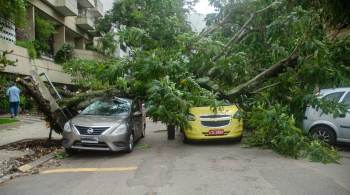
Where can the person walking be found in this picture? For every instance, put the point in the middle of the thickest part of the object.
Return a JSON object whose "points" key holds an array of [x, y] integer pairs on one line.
{"points": [[13, 93]]}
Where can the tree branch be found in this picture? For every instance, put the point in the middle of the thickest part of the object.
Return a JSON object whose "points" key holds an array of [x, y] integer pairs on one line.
{"points": [[237, 37], [275, 69]]}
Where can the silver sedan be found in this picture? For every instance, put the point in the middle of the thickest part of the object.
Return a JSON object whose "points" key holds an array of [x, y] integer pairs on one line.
{"points": [[107, 125]]}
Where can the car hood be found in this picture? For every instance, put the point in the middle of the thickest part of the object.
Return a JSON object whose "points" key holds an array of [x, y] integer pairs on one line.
{"points": [[225, 110], [98, 121]]}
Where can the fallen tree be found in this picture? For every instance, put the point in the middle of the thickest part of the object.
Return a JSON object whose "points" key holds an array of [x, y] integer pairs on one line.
{"points": [[235, 55]]}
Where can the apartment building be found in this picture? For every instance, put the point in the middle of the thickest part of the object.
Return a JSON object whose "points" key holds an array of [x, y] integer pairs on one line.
{"points": [[74, 20], [74, 23]]}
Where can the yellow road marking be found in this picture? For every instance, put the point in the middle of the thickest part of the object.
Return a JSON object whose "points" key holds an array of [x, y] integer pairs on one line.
{"points": [[77, 170]]}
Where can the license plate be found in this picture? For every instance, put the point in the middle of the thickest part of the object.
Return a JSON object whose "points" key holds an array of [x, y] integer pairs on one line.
{"points": [[216, 132], [89, 139]]}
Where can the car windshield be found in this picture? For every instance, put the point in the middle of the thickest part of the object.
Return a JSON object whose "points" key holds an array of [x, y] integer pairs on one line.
{"points": [[107, 108]]}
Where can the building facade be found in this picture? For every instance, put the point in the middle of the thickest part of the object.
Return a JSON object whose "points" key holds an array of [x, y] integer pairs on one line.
{"points": [[74, 23], [74, 20]]}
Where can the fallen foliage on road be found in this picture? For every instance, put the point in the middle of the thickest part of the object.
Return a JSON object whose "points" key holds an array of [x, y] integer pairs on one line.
{"points": [[34, 149]]}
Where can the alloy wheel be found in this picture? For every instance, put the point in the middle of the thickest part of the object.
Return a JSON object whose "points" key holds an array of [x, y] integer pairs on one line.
{"points": [[322, 135]]}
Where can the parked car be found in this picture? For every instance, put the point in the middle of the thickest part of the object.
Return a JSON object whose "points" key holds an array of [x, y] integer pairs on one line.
{"points": [[108, 125], [205, 124], [325, 126]]}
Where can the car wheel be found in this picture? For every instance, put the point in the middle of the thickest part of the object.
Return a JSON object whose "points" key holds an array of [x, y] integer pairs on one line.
{"points": [[130, 143], [324, 133], [184, 138], [239, 139]]}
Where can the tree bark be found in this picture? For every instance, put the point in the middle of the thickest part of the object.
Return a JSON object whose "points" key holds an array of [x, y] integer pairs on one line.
{"points": [[171, 132], [51, 110]]}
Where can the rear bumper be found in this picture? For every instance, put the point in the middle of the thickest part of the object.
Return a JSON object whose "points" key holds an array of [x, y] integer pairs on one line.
{"points": [[119, 142]]}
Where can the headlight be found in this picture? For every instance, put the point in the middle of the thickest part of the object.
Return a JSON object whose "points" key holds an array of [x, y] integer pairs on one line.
{"points": [[67, 127], [121, 129], [191, 117], [237, 115]]}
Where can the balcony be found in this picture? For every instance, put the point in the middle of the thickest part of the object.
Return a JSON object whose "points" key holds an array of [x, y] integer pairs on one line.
{"points": [[97, 11], [86, 20], [86, 3], [66, 7], [85, 23]]}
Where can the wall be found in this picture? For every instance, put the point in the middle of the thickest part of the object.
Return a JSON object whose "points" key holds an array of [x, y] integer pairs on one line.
{"points": [[24, 66], [86, 54]]}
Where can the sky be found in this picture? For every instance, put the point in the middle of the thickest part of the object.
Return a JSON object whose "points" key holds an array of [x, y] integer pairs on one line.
{"points": [[202, 6]]}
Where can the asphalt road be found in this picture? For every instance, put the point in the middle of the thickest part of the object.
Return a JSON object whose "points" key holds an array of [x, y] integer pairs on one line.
{"points": [[158, 166]]}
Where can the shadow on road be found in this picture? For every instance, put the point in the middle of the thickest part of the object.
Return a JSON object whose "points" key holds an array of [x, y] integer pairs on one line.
{"points": [[214, 142], [87, 154]]}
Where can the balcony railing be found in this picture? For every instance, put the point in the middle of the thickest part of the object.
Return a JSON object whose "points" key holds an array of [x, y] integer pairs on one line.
{"points": [[85, 23], [66, 7], [86, 19], [86, 3]]}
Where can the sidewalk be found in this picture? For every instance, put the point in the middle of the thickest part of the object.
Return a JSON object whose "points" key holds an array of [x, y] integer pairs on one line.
{"points": [[28, 127]]}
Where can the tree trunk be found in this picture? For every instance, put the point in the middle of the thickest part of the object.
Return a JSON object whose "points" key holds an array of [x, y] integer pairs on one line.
{"points": [[171, 132]]}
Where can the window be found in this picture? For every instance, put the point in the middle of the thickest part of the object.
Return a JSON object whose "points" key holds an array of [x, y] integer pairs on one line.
{"points": [[334, 97], [107, 108], [346, 100]]}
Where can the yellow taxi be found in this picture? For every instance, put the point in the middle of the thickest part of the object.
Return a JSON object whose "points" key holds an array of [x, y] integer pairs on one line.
{"points": [[205, 124]]}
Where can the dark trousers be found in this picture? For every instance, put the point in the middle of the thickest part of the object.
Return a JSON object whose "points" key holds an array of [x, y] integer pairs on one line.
{"points": [[14, 108]]}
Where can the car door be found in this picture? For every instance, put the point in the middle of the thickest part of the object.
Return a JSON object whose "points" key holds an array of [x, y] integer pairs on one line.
{"points": [[315, 114], [343, 122]]}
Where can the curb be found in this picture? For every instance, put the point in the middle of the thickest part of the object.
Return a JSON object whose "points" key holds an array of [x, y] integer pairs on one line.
{"points": [[26, 169], [29, 166], [11, 125]]}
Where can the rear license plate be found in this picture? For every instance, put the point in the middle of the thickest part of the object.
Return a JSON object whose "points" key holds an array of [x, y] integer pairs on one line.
{"points": [[216, 132], [89, 139]]}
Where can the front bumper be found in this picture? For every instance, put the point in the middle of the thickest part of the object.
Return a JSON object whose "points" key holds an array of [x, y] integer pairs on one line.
{"points": [[198, 132], [108, 142]]}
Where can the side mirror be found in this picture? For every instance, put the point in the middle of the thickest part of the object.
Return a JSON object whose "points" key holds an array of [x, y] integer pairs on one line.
{"points": [[137, 113]]}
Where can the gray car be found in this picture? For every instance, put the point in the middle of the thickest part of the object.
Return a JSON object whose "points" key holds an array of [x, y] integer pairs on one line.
{"points": [[325, 126], [107, 125]]}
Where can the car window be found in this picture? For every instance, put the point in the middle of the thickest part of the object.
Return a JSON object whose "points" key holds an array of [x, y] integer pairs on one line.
{"points": [[106, 108], [346, 100], [334, 97]]}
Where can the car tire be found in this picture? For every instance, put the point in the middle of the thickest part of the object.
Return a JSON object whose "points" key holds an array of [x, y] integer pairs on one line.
{"points": [[238, 139], [324, 133], [131, 142], [185, 140], [70, 151]]}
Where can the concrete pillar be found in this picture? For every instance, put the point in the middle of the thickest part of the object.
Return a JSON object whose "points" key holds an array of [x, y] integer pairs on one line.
{"points": [[28, 31], [80, 43], [59, 38], [31, 22]]}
